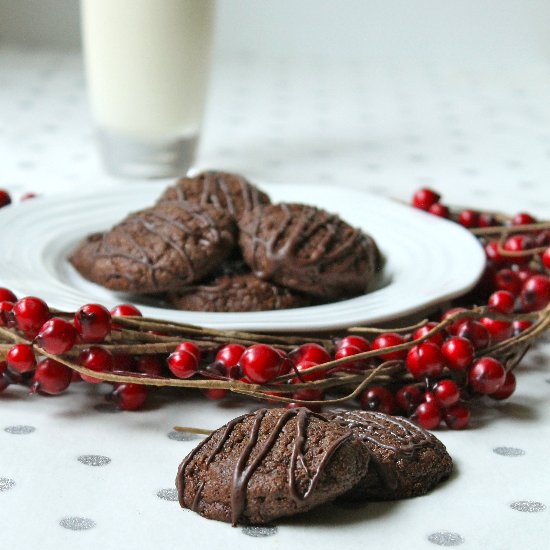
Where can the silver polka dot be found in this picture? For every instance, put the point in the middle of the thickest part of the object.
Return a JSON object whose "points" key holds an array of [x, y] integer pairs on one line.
{"points": [[106, 408], [94, 460], [20, 430], [77, 524], [508, 451], [6, 484], [446, 538], [183, 436], [528, 506], [168, 494], [259, 532]]}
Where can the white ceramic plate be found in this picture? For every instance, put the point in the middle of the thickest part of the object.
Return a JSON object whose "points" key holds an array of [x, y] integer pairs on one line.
{"points": [[427, 259]]}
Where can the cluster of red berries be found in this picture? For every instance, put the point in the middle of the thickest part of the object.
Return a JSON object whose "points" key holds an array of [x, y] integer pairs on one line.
{"points": [[517, 264], [442, 365], [32, 318]]}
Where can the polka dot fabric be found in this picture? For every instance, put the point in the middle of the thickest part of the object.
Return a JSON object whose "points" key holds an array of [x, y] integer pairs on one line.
{"points": [[75, 475]]}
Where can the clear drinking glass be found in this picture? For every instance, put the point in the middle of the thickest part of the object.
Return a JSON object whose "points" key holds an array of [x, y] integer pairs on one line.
{"points": [[147, 65]]}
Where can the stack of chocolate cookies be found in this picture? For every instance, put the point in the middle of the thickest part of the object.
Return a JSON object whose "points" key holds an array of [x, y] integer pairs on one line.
{"points": [[274, 463], [215, 242]]}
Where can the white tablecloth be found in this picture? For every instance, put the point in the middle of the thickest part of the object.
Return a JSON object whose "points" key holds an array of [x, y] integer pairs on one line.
{"points": [[74, 473]]}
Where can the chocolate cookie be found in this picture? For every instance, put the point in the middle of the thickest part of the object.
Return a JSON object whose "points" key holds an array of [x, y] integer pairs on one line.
{"points": [[406, 461], [268, 464], [307, 249], [230, 192], [244, 292], [158, 249], [83, 256]]}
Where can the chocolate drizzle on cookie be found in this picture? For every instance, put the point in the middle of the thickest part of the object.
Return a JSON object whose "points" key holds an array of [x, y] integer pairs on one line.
{"points": [[308, 249], [230, 192], [401, 454], [254, 451], [157, 249]]}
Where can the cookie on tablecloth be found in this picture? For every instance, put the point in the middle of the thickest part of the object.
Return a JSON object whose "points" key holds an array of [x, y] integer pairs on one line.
{"points": [[269, 464]]}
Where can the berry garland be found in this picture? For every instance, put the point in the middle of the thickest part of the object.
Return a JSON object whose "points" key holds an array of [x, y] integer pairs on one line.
{"points": [[430, 371]]}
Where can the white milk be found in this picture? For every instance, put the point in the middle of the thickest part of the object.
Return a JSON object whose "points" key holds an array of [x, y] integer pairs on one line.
{"points": [[147, 63]]}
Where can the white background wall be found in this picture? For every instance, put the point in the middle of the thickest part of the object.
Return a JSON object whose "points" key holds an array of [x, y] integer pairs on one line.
{"points": [[506, 31]]}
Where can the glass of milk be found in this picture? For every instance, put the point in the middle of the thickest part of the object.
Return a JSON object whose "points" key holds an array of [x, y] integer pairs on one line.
{"points": [[147, 64]]}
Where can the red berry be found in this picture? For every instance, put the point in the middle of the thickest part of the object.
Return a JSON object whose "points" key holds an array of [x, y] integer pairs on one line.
{"points": [[424, 198], [428, 415], [286, 365], [362, 344], [523, 219], [93, 322], [3, 367], [507, 388], [468, 218], [519, 243], [493, 253], [4, 382], [446, 393], [51, 377], [124, 362], [349, 351], [191, 348], [6, 313], [476, 333], [458, 353], [454, 326], [30, 314], [56, 336], [303, 367], [535, 294], [499, 330], [150, 365], [439, 210], [408, 398], [487, 220], [21, 358], [425, 360], [546, 258], [438, 338], [310, 352], [215, 394], [5, 198], [506, 279], [390, 339], [96, 359], [308, 395], [183, 364], [378, 398], [230, 354], [7, 295], [457, 417], [130, 397], [487, 375], [520, 326], [260, 363], [502, 301], [125, 310]]}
